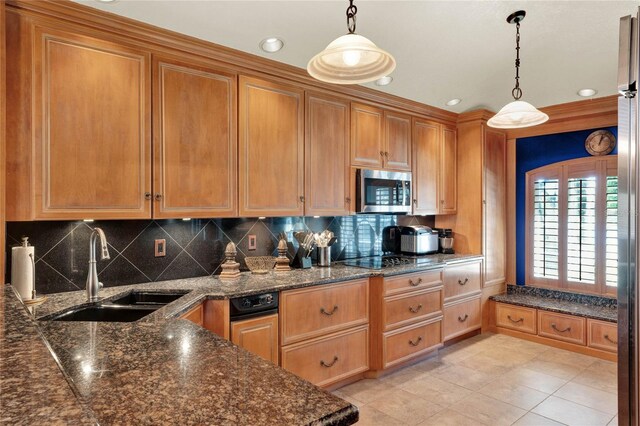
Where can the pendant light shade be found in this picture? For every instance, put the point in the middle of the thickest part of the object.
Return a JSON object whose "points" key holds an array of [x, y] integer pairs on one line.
{"points": [[351, 58], [517, 114]]}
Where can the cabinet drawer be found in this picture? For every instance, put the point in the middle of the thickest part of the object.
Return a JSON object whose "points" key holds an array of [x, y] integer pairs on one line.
{"points": [[411, 282], [461, 279], [410, 341], [461, 317], [516, 318], [195, 315], [562, 327], [602, 335], [412, 307], [319, 310], [329, 359]]}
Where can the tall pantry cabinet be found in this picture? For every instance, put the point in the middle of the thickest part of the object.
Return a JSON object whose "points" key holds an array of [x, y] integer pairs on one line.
{"points": [[480, 223]]}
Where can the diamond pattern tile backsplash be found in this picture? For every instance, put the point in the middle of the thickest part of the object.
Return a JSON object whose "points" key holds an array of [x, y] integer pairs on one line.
{"points": [[193, 248]]}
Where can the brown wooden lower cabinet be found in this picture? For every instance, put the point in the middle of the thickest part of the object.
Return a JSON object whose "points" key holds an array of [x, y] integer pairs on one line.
{"points": [[570, 332], [329, 359], [462, 317], [409, 342], [516, 318], [602, 335], [195, 315], [258, 335], [562, 327]]}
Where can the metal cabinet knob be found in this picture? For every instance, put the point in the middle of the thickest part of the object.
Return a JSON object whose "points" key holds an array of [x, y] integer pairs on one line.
{"points": [[147, 195], [158, 197]]}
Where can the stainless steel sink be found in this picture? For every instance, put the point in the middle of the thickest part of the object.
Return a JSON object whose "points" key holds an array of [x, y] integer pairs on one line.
{"points": [[147, 298], [105, 313], [127, 307]]}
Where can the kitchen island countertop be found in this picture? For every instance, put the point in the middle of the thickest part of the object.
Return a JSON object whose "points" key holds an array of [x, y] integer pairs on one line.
{"points": [[160, 369]]}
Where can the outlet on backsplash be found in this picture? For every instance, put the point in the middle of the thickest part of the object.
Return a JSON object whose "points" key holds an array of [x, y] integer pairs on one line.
{"points": [[161, 248], [252, 245]]}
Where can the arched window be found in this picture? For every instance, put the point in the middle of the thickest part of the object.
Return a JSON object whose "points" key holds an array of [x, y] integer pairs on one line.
{"points": [[572, 227]]}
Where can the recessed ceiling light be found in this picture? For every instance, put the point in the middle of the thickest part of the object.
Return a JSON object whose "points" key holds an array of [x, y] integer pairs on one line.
{"points": [[383, 81], [106, 1], [453, 102], [271, 44], [585, 93]]}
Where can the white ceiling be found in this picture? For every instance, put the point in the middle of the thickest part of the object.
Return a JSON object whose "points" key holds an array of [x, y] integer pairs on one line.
{"points": [[444, 49]]}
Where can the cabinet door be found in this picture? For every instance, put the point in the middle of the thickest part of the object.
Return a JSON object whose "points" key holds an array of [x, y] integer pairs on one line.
{"points": [[271, 153], [494, 214], [448, 180], [194, 141], [258, 336], [426, 166], [367, 132], [326, 156], [92, 128], [397, 152]]}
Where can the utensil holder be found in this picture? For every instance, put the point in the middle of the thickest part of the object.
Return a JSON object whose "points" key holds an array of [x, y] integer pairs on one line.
{"points": [[324, 256], [301, 260]]}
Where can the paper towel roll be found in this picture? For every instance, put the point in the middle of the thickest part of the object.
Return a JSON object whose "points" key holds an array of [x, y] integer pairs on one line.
{"points": [[22, 269]]}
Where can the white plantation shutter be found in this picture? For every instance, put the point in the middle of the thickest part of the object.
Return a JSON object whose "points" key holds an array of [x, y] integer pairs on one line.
{"points": [[611, 249], [581, 230], [545, 228], [572, 226]]}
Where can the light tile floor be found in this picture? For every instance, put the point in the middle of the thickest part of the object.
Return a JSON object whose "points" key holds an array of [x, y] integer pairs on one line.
{"points": [[492, 379]]}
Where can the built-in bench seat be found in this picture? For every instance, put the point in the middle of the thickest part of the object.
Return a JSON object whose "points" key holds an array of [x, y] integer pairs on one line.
{"points": [[577, 322]]}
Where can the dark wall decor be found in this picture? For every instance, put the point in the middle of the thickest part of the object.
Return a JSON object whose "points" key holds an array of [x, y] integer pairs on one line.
{"points": [[193, 247]]}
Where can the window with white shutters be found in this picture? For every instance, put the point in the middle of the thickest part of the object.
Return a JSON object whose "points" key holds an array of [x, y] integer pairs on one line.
{"points": [[571, 222], [545, 228], [581, 230], [611, 249]]}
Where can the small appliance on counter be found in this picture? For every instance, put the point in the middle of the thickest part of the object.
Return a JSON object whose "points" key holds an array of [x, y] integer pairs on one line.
{"points": [[445, 240], [391, 239], [418, 240]]}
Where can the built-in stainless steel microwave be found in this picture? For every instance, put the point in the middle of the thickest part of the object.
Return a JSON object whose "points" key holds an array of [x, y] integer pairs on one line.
{"points": [[379, 191]]}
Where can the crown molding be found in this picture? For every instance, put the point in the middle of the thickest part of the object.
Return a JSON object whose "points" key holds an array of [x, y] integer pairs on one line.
{"points": [[163, 40]]}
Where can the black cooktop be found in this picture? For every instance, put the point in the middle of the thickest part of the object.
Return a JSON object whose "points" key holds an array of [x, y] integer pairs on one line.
{"points": [[381, 262]]}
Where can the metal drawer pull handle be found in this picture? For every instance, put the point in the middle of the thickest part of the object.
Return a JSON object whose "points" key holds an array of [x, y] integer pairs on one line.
{"points": [[324, 364], [463, 319], [416, 309], [553, 325], [413, 283], [606, 337], [417, 342], [466, 280], [514, 321], [323, 311]]}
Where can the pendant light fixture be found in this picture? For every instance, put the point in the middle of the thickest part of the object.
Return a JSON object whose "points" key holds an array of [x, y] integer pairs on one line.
{"points": [[518, 113], [352, 58]]}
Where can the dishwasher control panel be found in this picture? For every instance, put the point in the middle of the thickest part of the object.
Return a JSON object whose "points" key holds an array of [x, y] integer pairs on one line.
{"points": [[253, 304]]}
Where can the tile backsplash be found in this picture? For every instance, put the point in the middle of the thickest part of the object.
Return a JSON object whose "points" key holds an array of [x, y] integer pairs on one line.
{"points": [[193, 248]]}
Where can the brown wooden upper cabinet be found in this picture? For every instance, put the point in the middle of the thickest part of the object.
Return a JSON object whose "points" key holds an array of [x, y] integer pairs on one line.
{"points": [[195, 143], [92, 128], [434, 168], [380, 139], [271, 149], [326, 156]]}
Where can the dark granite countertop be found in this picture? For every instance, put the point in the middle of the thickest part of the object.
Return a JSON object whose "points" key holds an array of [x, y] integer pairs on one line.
{"points": [[160, 369], [599, 308]]}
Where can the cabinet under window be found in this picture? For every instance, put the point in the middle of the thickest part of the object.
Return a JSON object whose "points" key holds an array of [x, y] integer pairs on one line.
{"points": [[572, 210]]}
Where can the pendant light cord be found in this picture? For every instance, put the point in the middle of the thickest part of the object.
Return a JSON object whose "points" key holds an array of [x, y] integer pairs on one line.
{"points": [[351, 17], [517, 91]]}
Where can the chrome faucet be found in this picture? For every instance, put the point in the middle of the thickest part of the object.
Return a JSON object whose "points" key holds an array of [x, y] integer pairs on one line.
{"points": [[93, 285]]}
